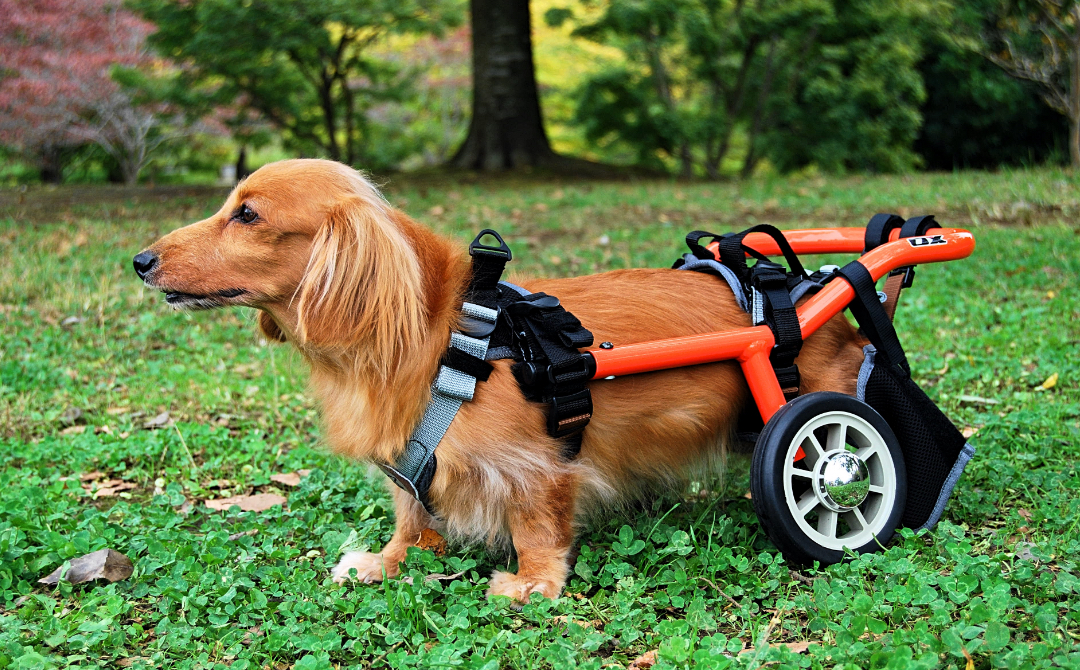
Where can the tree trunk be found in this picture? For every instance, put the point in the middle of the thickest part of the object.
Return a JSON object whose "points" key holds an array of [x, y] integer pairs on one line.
{"points": [[242, 171], [507, 129], [51, 165], [1074, 95]]}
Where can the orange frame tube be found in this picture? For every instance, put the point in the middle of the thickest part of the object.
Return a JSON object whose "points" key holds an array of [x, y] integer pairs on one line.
{"points": [[751, 346]]}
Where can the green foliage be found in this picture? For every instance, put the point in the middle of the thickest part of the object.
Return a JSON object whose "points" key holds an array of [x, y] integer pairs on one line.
{"points": [[855, 106], [306, 68], [691, 577], [833, 83], [975, 114]]}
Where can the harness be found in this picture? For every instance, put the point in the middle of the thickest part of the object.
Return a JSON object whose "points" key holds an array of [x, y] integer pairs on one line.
{"points": [[766, 291], [502, 321]]}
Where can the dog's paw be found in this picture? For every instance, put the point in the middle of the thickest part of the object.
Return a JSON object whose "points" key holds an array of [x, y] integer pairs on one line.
{"points": [[368, 566], [520, 588]]}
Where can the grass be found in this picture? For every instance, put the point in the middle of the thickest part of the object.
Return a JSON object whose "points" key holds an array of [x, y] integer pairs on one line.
{"points": [[87, 357]]}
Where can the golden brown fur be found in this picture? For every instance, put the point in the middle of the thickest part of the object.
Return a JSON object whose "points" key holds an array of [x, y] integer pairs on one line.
{"points": [[370, 297]]}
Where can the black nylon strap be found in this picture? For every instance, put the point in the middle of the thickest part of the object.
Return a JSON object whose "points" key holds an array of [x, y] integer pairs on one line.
{"points": [[875, 323], [771, 281], [488, 264], [877, 231], [467, 363], [918, 226]]}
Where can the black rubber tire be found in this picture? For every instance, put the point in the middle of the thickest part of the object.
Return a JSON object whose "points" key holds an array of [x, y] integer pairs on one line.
{"points": [[767, 473]]}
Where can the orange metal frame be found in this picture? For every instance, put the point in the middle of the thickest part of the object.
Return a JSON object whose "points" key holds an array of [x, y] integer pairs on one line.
{"points": [[751, 346]]}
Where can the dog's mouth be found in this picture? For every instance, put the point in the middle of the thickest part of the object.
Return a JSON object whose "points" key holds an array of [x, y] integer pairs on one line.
{"points": [[194, 301]]}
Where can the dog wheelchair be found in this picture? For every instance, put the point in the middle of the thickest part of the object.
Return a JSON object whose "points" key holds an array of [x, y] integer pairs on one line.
{"points": [[831, 473]]}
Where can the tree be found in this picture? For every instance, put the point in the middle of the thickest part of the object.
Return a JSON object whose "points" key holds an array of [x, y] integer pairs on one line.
{"points": [[853, 100], [828, 82], [506, 129], [1039, 41], [305, 67], [59, 92], [976, 115]]}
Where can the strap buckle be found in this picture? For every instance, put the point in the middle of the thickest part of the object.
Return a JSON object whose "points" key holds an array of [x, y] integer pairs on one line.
{"points": [[789, 379], [569, 414], [478, 247]]}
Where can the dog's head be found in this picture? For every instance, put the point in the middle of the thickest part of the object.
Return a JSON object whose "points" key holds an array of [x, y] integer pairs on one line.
{"points": [[311, 243]]}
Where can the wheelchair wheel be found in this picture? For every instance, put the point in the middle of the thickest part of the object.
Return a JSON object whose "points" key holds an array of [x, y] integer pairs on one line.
{"points": [[828, 475]]}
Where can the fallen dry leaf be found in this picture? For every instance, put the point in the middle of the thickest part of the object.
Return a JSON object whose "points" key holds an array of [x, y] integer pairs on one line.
{"points": [[796, 647], [747, 495], [128, 662], [70, 416], [91, 476], [430, 539], [236, 536], [968, 431], [1050, 382], [255, 503], [646, 660], [1024, 513], [437, 210], [159, 421], [73, 430], [107, 487], [114, 411], [102, 564], [290, 478]]}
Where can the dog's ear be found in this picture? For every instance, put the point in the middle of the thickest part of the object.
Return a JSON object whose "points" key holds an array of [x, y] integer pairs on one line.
{"points": [[270, 328], [362, 289]]}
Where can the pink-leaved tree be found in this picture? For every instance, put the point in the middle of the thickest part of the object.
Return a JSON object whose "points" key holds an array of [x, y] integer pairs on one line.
{"points": [[56, 86]]}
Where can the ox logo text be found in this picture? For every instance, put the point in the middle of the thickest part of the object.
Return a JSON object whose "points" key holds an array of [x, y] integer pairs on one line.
{"points": [[926, 241]]}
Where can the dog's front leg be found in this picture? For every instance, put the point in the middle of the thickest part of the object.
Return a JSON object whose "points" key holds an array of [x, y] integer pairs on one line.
{"points": [[542, 528], [411, 519]]}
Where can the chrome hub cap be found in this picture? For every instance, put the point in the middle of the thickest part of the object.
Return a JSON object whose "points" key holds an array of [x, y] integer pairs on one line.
{"points": [[844, 481]]}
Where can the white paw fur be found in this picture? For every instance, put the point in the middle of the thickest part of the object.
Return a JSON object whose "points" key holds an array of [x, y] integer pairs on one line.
{"points": [[368, 566]]}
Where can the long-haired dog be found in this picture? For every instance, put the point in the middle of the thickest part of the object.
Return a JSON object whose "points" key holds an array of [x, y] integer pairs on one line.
{"points": [[369, 297]]}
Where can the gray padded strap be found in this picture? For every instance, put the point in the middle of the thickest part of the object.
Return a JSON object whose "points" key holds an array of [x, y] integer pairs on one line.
{"points": [[692, 262], [869, 353], [450, 388]]}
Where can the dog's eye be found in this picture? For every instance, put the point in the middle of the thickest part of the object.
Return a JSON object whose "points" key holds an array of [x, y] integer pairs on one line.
{"points": [[245, 214]]}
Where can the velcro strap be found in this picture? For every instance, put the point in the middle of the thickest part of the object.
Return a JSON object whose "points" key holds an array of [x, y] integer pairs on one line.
{"points": [[455, 384], [467, 363]]}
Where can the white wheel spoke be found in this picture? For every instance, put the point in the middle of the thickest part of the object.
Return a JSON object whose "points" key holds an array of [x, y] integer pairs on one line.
{"points": [[837, 436], [874, 488], [807, 502], [860, 519], [815, 448], [866, 452], [826, 524], [799, 472]]}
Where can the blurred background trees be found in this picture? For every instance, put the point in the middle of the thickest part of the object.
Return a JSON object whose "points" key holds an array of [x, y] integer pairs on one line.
{"points": [[177, 89]]}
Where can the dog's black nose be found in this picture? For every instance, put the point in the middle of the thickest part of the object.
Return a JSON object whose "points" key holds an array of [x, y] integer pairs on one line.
{"points": [[144, 263]]}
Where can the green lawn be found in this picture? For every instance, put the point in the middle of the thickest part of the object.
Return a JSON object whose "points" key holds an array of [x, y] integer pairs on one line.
{"points": [[88, 357]]}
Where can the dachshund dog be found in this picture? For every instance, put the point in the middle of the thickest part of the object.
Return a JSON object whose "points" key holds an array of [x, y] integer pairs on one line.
{"points": [[369, 297]]}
